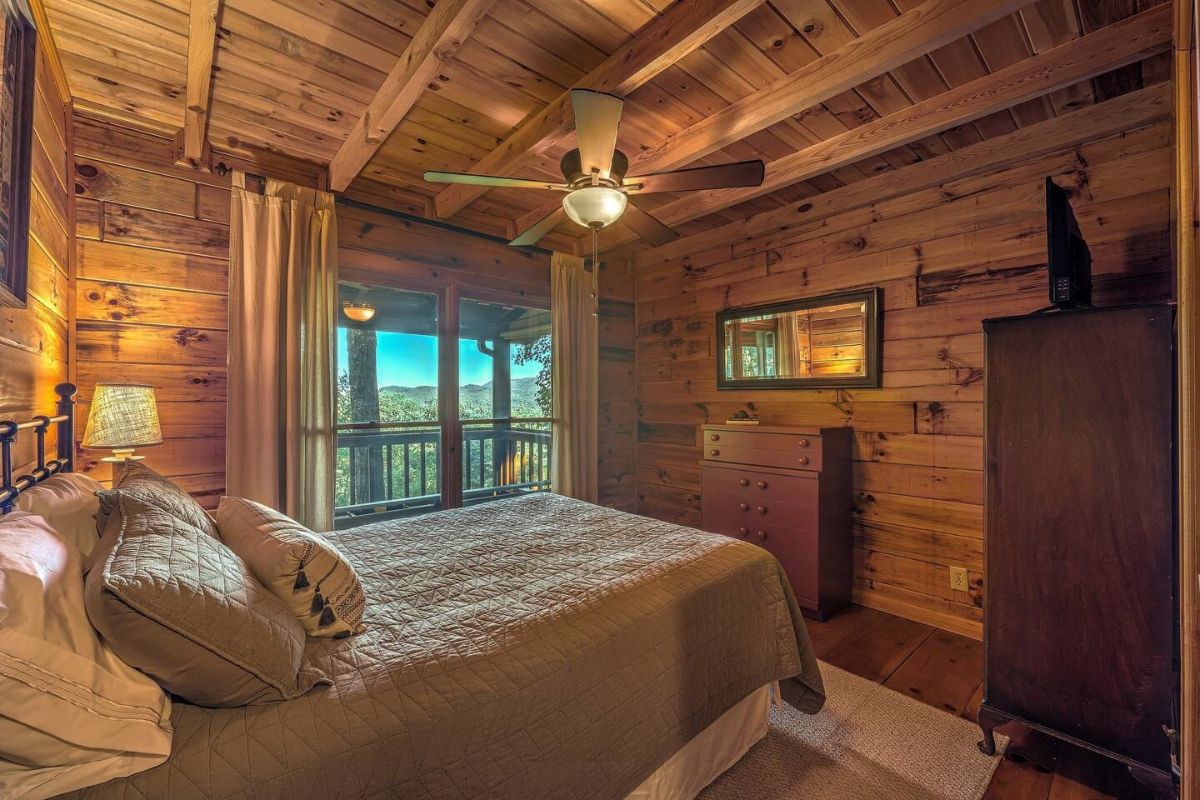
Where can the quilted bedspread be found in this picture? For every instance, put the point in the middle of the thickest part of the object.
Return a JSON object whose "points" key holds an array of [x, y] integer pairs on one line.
{"points": [[537, 647]]}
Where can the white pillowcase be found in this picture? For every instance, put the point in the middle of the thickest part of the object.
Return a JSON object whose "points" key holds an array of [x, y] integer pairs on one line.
{"points": [[69, 503], [72, 714]]}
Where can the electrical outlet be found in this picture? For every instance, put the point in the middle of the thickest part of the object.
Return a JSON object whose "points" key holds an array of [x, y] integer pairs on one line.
{"points": [[958, 579]]}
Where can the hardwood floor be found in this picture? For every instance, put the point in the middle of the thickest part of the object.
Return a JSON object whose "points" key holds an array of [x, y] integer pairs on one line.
{"points": [[946, 670]]}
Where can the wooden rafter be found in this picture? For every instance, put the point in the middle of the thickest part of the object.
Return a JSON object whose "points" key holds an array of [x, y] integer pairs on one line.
{"points": [[796, 220], [1122, 43], [435, 43], [202, 48], [681, 29], [910, 35]]}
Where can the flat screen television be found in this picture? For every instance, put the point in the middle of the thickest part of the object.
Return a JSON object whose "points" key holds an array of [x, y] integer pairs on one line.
{"points": [[1069, 259]]}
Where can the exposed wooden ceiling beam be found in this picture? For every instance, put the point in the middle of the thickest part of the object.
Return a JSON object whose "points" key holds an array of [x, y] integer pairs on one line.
{"points": [[202, 47], [1118, 115], [1122, 43], [670, 36], [438, 39], [910, 35]]}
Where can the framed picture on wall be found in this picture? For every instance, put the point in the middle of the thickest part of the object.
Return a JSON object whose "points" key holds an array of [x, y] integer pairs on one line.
{"points": [[18, 62]]}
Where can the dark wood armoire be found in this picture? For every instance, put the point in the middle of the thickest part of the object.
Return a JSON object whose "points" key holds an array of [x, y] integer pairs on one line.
{"points": [[1080, 612]]}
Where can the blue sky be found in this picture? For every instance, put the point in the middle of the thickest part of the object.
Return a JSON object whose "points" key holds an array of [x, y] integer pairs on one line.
{"points": [[407, 359]]}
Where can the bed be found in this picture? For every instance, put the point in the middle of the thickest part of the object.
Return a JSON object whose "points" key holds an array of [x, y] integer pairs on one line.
{"points": [[533, 647]]}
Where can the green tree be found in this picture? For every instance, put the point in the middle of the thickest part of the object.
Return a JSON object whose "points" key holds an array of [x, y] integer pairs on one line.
{"points": [[538, 351]]}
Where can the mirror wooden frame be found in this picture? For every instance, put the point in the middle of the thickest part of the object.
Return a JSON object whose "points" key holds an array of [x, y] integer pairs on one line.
{"points": [[19, 67], [872, 376]]}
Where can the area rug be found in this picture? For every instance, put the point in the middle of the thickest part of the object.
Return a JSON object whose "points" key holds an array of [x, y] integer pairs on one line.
{"points": [[867, 742]]}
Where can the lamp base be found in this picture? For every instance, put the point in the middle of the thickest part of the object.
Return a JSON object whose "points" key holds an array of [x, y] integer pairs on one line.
{"points": [[118, 459]]}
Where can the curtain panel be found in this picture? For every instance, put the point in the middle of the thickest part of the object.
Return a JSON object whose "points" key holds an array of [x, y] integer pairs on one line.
{"points": [[282, 314], [574, 361]]}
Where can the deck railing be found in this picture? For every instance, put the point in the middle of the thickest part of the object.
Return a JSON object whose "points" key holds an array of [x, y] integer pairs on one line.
{"points": [[386, 470]]}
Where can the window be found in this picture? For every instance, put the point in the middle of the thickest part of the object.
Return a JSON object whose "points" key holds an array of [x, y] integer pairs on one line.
{"points": [[504, 378], [398, 402], [389, 437]]}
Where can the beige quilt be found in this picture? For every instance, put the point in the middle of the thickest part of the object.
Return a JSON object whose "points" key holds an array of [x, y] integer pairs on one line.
{"points": [[537, 647]]}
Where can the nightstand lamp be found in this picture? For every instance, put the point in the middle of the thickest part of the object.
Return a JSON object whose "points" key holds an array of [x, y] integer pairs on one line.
{"points": [[123, 416]]}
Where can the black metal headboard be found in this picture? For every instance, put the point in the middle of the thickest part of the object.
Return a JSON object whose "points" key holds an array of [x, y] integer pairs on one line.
{"points": [[65, 462]]}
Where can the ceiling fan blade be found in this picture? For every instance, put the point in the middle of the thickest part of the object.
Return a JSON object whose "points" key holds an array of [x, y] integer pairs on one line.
{"points": [[721, 176], [597, 117], [534, 233], [647, 227], [492, 180]]}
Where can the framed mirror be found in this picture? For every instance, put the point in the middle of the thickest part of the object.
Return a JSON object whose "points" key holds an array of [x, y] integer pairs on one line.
{"points": [[818, 342]]}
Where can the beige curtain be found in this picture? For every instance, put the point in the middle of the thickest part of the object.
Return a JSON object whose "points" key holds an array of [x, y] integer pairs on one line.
{"points": [[791, 347], [573, 368], [282, 305]]}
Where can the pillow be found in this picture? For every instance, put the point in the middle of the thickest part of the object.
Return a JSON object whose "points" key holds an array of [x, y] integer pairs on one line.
{"points": [[302, 568], [150, 487], [179, 605], [72, 714], [69, 503]]}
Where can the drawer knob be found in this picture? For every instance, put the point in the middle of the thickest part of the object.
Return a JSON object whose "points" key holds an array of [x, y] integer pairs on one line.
{"points": [[744, 506], [803, 442], [803, 459], [762, 484], [743, 531], [762, 535], [714, 452], [762, 509], [716, 437], [744, 482]]}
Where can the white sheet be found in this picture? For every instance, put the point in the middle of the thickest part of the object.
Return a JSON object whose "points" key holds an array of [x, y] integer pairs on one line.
{"points": [[714, 750], [72, 714]]}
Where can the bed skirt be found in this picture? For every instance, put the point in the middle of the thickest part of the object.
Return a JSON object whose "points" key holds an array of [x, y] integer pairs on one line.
{"points": [[712, 751]]}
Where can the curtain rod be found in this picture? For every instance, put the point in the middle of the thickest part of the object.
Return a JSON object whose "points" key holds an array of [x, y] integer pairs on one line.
{"points": [[437, 224], [223, 169]]}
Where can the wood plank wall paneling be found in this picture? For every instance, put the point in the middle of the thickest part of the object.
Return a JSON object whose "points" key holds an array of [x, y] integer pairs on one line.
{"points": [[946, 258], [34, 340], [617, 403], [152, 269]]}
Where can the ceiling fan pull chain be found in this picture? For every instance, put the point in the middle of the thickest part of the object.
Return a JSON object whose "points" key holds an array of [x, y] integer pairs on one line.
{"points": [[595, 272]]}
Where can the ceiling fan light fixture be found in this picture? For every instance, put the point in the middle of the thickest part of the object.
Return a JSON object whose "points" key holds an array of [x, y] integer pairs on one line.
{"points": [[595, 206]]}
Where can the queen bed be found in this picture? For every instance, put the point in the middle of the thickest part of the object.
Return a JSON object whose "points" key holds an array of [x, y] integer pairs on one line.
{"points": [[534, 647]]}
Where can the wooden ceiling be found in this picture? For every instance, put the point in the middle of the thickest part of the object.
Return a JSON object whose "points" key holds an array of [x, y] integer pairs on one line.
{"points": [[487, 81]]}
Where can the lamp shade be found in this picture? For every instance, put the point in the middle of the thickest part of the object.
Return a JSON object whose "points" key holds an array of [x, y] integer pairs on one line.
{"points": [[122, 415], [595, 206]]}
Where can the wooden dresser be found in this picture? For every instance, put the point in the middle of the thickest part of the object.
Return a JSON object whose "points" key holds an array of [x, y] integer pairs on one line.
{"points": [[1080, 613], [788, 491]]}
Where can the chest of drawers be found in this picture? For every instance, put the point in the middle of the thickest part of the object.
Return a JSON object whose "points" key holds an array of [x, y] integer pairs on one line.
{"points": [[786, 490]]}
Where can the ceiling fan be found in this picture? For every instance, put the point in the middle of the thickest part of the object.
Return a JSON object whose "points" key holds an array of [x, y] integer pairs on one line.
{"points": [[597, 189]]}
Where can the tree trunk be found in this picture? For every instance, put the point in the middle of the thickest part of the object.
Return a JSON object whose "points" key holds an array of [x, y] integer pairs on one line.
{"points": [[368, 478]]}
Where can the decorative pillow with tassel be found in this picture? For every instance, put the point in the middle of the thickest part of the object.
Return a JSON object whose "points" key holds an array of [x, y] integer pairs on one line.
{"points": [[302, 568]]}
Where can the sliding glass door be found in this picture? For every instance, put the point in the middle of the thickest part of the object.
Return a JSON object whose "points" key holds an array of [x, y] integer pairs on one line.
{"points": [[503, 399], [388, 435], [443, 400]]}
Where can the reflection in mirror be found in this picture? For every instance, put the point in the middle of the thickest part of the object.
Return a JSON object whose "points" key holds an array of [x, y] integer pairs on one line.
{"points": [[827, 341]]}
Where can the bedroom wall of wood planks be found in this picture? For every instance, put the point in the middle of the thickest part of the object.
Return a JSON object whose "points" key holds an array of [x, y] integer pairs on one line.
{"points": [[948, 254], [34, 340], [152, 259]]}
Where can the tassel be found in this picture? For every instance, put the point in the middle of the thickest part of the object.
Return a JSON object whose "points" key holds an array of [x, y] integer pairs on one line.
{"points": [[318, 602], [327, 616], [301, 580]]}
